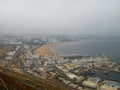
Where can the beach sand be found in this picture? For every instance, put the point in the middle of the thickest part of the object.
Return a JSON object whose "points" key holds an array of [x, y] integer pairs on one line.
{"points": [[46, 50]]}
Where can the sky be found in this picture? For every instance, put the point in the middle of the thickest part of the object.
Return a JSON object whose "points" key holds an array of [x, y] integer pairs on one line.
{"points": [[94, 17]]}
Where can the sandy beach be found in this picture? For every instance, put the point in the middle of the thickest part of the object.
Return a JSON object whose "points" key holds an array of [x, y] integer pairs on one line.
{"points": [[46, 49]]}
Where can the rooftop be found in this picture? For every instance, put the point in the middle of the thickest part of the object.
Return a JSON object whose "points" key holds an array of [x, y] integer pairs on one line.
{"points": [[112, 83]]}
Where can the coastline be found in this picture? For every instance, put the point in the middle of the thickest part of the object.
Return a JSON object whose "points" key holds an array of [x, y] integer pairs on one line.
{"points": [[45, 50]]}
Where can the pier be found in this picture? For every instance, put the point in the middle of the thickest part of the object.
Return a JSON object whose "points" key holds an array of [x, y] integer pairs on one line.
{"points": [[106, 57]]}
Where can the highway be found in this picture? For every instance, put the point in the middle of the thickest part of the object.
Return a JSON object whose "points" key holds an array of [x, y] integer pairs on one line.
{"points": [[15, 57]]}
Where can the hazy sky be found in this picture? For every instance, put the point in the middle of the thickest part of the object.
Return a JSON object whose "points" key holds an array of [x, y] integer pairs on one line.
{"points": [[60, 16]]}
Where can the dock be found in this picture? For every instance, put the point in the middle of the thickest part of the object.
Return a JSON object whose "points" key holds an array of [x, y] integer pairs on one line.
{"points": [[106, 57]]}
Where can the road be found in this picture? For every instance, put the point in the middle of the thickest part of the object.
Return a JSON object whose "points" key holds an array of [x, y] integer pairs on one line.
{"points": [[15, 57]]}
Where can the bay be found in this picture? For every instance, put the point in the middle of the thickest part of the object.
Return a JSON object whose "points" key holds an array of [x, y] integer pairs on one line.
{"points": [[93, 48]]}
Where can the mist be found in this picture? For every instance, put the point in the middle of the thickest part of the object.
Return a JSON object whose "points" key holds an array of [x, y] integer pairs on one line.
{"points": [[92, 17]]}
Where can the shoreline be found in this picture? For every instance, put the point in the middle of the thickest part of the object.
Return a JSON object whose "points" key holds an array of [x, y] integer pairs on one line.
{"points": [[45, 50]]}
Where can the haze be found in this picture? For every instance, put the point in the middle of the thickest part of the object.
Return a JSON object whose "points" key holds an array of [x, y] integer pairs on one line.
{"points": [[95, 17]]}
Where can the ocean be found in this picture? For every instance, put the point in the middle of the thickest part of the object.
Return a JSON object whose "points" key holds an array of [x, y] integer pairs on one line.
{"points": [[93, 48]]}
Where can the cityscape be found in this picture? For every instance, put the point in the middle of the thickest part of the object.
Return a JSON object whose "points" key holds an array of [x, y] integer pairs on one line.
{"points": [[59, 44], [24, 55]]}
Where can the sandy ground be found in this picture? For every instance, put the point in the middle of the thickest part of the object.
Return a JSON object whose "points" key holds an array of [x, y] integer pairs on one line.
{"points": [[46, 50]]}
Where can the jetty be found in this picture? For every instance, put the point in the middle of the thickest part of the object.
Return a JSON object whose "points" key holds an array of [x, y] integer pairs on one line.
{"points": [[106, 57]]}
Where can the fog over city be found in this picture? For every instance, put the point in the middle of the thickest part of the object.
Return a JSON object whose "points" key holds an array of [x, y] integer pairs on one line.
{"points": [[94, 17]]}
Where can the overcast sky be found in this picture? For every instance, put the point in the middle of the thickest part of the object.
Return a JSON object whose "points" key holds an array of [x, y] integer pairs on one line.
{"points": [[60, 16]]}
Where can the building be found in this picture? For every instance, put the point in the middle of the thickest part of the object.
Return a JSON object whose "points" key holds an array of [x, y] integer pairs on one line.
{"points": [[110, 85], [71, 76], [91, 82]]}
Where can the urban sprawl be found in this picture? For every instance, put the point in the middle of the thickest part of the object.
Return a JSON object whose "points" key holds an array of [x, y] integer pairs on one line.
{"points": [[23, 54]]}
